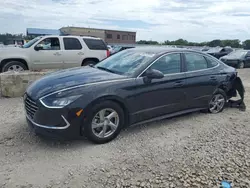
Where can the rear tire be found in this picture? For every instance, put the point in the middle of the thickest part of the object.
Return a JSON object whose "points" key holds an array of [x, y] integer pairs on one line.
{"points": [[217, 102], [94, 129], [88, 62], [14, 66]]}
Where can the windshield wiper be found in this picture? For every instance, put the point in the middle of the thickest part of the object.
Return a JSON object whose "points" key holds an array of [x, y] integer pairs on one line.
{"points": [[108, 70]]}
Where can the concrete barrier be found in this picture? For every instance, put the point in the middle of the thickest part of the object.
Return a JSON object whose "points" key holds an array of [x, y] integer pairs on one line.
{"points": [[14, 84]]}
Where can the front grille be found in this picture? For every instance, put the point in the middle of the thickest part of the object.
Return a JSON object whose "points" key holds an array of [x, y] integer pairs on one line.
{"points": [[30, 107]]}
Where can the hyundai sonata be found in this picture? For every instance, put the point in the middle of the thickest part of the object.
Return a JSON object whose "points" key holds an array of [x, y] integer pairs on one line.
{"points": [[134, 86]]}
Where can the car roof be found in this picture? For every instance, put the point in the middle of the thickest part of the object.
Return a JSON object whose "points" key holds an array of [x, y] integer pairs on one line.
{"points": [[85, 37], [161, 50]]}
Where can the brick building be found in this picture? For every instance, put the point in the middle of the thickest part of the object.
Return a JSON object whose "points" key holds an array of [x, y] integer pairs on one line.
{"points": [[109, 36]]}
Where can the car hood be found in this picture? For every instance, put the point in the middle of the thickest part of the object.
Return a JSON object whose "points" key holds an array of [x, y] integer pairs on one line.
{"points": [[68, 78]]}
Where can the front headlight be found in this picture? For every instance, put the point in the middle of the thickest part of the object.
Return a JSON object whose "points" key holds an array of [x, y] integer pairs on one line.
{"points": [[60, 99]]}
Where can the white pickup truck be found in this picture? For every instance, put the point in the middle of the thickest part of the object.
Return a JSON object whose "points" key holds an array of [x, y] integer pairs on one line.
{"points": [[53, 52]]}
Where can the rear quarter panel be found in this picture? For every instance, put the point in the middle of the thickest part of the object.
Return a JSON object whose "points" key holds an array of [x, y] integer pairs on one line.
{"points": [[99, 54]]}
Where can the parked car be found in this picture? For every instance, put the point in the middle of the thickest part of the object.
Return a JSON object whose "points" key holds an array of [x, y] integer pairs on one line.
{"points": [[53, 52], [239, 59], [134, 86], [219, 52]]}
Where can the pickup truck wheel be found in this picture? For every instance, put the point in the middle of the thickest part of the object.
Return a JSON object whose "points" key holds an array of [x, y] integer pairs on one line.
{"points": [[14, 66]]}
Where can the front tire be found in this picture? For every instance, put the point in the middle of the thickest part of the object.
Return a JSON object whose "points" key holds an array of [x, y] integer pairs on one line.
{"points": [[104, 123], [217, 102], [14, 66]]}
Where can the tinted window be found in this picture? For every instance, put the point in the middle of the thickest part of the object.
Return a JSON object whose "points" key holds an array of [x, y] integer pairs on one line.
{"points": [[195, 62], [168, 64], [118, 36], [95, 44], [211, 62], [72, 44], [49, 44]]}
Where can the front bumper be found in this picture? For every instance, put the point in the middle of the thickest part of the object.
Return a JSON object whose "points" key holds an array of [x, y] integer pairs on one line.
{"points": [[56, 123]]}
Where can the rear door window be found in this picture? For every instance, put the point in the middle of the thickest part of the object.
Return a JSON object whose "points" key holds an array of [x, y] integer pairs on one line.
{"points": [[211, 62], [72, 44], [195, 62], [95, 44]]}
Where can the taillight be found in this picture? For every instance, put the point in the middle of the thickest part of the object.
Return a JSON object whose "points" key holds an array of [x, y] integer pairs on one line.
{"points": [[108, 53]]}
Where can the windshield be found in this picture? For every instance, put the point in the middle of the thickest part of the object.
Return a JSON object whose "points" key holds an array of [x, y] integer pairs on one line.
{"points": [[125, 62], [30, 43], [237, 54]]}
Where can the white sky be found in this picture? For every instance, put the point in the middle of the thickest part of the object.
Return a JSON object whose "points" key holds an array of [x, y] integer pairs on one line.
{"points": [[193, 20]]}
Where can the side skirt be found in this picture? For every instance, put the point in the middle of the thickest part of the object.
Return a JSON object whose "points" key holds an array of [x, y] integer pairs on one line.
{"points": [[168, 116]]}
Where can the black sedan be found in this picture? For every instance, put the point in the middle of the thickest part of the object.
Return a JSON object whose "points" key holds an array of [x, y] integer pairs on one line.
{"points": [[134, 86], [218, 52], [239, 59]]}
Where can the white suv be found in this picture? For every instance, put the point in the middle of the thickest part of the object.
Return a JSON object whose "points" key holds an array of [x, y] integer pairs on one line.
{"points": [[53, 52]]}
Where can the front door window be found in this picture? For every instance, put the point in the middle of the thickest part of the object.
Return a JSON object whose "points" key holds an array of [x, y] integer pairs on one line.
{"points": [[168, 64], [49, 44]]}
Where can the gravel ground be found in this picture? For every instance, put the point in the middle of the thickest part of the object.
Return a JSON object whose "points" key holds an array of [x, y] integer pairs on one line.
{"points": [[194, 150]]}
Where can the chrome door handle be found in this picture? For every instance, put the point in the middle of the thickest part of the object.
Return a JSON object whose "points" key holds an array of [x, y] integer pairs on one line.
{"points": [[80, 53]]}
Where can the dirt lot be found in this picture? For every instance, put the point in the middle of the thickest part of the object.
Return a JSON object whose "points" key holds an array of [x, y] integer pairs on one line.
{"points": [[195, 150]]}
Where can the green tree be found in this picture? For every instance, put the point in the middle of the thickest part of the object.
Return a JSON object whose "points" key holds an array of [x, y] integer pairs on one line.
{"points": [[181, 42], [7, 37], [215, 43], [233, 43], [147, 42], [246, 44]]}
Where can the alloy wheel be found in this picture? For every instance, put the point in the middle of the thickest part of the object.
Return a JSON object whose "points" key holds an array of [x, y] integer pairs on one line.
{"points": [[16, 68], [105, 123], [217, 103]]}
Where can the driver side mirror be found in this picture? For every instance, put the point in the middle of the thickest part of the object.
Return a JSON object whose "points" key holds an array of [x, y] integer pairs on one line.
{"points": [[37, 48], [152, 74]]}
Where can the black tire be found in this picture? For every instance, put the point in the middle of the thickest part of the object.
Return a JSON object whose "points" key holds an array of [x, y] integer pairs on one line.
{"points": [[11, 63], [88, 62], [241, 65], [95, 109], [223, 94]]}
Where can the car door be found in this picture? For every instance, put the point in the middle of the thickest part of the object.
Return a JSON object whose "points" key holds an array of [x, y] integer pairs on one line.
{"points": [[202, 78], [47, 54], [161, 96], [73, 54]]}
